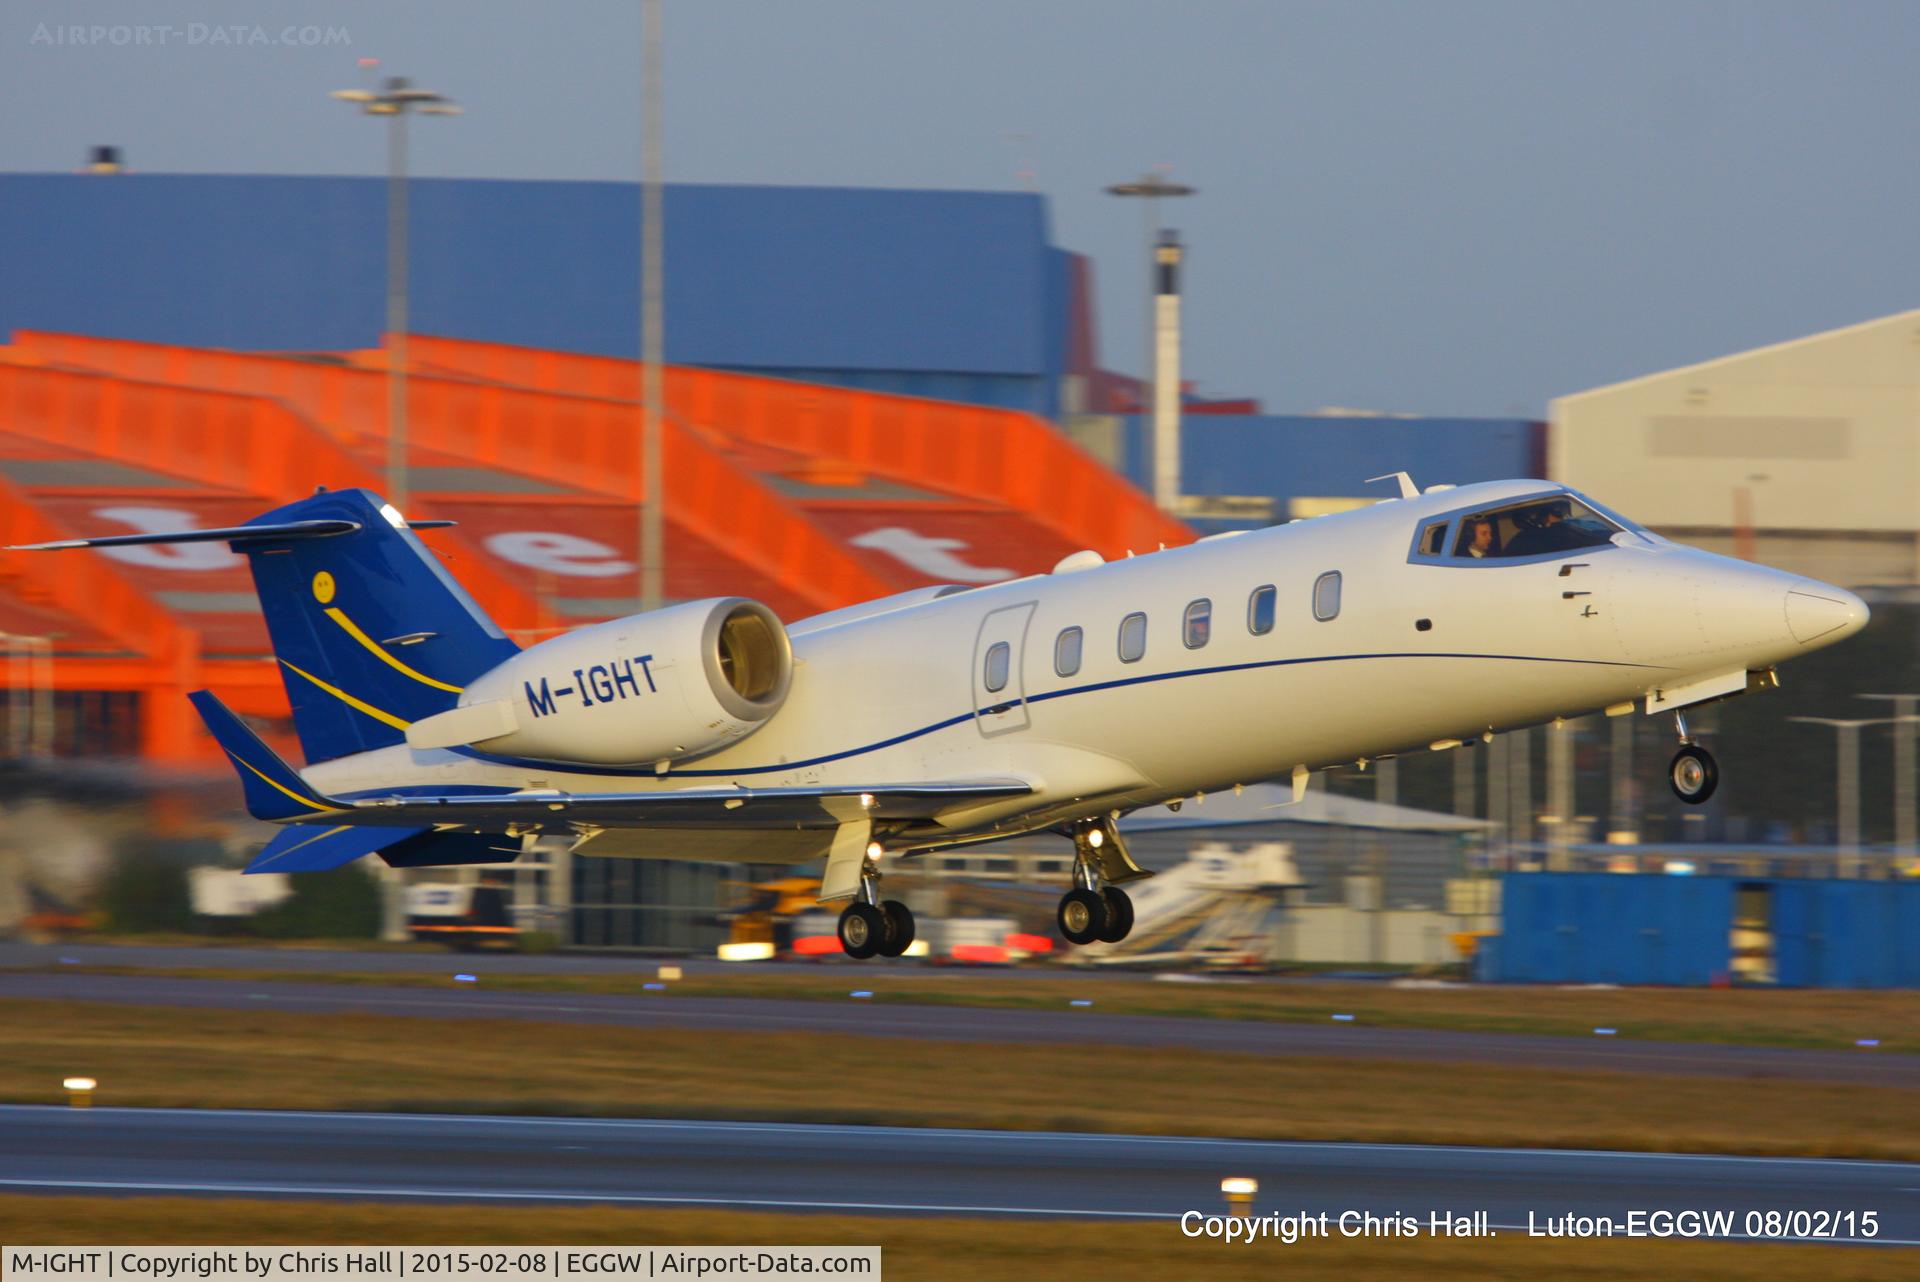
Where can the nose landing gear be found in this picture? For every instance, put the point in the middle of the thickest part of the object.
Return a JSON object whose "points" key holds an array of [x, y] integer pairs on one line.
{"points": [[1693, 772], [1096, 909]]}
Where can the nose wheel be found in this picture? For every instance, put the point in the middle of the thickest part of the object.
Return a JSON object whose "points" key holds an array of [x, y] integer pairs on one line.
{"points": [[1693, 772]]}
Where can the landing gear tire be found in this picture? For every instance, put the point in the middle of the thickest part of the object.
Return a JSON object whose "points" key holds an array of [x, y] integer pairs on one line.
{"points": [[863, 930], [1694, 774], [1082, 916], [1119, 915], [899, 933]]}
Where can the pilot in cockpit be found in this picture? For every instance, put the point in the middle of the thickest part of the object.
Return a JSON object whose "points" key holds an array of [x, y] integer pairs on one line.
{"points": [[1477, 540]]}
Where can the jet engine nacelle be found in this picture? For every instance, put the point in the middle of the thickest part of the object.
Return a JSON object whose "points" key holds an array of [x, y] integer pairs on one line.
{"points": [[651, 687]]}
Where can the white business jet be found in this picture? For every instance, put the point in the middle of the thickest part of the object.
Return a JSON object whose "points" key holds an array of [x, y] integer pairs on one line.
{"points": [[951, 715]]}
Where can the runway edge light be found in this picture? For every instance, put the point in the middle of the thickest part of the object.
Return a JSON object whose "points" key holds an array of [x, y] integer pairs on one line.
{"points": [[80, 1091], [1239, 1190]]}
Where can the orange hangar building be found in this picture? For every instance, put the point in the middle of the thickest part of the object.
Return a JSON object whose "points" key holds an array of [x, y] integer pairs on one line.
{"points": [[862, 397]]}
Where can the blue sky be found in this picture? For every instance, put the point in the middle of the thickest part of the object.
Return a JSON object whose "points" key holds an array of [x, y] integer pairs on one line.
{"points": [[1446, 208]]}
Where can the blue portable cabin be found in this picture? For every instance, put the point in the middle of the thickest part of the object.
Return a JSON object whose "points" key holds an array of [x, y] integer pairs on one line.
{"points": [[1649, 928]]}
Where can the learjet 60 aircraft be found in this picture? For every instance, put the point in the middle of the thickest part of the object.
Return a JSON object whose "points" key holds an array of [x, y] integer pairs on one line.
{"points": [[950, 715]]}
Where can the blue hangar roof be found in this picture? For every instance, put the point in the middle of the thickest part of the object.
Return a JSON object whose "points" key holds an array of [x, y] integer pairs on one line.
{"points": [[899, 290]]}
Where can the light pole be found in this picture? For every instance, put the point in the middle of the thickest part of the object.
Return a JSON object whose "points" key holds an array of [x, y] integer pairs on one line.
{"points": [[396, 101], [1560, 746], [43, 717], [19, 696], [30, 728], [1465, 782], [1163, 335], [1520, 789], [653, 574], [1905, 707], [1623, 831], [1847, 819]]}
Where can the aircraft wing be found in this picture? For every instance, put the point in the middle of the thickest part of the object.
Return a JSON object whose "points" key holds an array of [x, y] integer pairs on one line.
{"points": [[744, 808]]}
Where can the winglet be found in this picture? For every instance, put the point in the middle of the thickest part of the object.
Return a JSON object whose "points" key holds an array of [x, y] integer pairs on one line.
{"points": [[274, 790]]}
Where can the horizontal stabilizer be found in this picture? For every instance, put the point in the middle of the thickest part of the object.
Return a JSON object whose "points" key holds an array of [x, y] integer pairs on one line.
{"points": [[274, 790], [313, 848], [227, 534]]}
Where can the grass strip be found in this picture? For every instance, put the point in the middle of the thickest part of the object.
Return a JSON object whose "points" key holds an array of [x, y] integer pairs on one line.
{"points": [[931, 1249], [1802, 1018], [179, 1057]]}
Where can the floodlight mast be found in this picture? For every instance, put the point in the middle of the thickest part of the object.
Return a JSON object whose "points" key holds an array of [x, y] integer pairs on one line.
{"points": [[397, 99], [1847, 783], [653, 489], [1906, 714]]}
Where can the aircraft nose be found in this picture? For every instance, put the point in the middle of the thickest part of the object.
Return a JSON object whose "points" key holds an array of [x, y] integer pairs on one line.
{"points": [[1819, 614]]}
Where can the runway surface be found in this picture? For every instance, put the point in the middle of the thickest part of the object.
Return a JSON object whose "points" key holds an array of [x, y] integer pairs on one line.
{"points": [[14, 953], [896, 1170], [879, 1018]]}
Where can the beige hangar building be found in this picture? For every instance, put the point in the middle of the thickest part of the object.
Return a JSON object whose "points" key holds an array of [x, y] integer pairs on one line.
{"points": [[1804, 455]]}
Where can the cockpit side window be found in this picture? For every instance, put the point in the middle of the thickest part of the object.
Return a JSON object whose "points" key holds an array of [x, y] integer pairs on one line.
{"points": [[1533, 527], [1433, 537]]}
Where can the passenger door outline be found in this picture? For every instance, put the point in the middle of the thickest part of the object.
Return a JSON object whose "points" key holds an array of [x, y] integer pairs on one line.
{"points": [[1004, 711]]}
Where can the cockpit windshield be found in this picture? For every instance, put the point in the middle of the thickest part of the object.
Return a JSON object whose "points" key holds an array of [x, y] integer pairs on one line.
{"points": [[1533, 527]]}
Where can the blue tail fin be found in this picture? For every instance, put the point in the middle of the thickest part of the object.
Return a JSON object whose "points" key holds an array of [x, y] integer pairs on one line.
{"points": [[371, 631], [274, 790]]}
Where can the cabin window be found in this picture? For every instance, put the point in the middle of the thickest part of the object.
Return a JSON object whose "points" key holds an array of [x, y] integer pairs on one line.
{"points": [[1326, 596], [1196, 628], [1066, 652], [1260, 610], [1433, 538], [999, 658], [1133, 638]]}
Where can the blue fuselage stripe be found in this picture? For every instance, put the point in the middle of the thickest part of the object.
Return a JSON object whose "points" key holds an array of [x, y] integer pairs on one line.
{"points": [[936, 727]]}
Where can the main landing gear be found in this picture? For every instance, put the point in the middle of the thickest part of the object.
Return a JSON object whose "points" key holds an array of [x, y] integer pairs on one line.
{"points": [[872, 927], [1095, 910], [1693, 772]]}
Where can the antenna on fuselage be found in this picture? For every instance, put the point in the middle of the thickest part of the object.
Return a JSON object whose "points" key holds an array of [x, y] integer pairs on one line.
{"points": [[1408, 490]]}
